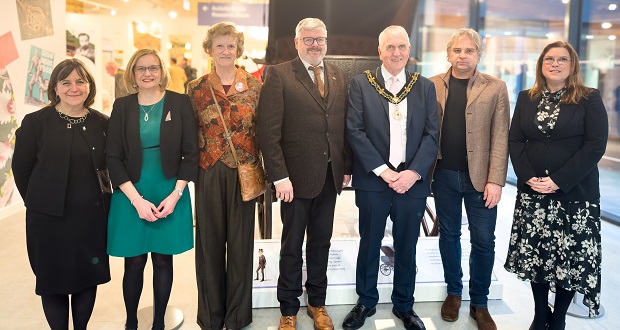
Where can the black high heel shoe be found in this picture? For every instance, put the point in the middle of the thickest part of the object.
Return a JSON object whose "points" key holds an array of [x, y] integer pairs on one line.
{"points": [[549, 313]]}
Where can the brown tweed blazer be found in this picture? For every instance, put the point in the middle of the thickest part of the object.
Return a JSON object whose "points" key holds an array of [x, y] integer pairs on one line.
{"points": [[487, 123], [299, 132]]}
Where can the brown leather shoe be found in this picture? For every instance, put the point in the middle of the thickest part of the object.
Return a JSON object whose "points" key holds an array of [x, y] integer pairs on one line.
{"points": [[450, 308], [482, 316], [322, 321], [288, 322]]}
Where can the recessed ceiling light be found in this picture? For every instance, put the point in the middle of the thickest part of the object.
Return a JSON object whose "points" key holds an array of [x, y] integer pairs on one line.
{"points": [[606, 25], [612, 37], [172, 14], [113, 12], [613, 6]]}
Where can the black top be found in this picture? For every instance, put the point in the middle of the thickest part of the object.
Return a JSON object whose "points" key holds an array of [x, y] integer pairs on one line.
{"points": [[41, 158], [453, 143], [569, 154]]}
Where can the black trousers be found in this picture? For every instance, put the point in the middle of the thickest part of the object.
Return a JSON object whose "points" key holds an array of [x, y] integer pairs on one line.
{"points": [[224, 250], [406, 214], [315, 217]]}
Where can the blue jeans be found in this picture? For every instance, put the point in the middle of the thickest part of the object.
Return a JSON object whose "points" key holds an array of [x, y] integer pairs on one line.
{"points": [[450, 190]]}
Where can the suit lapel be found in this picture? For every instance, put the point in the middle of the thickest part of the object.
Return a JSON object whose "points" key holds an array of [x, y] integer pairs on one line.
{"points": [[303, 76], [478, 85], [133, 121], [384, 101]]}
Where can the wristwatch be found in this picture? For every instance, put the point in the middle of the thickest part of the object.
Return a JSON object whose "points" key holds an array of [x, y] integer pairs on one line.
{"points": [[179, 191]]}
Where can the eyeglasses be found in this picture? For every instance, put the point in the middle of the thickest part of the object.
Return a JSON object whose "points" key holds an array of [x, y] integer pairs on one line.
{"points": [[561, 60], [309, 41], [142, 69]]}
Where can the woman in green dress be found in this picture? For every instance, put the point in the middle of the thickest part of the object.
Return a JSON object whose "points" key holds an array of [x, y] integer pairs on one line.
{"points": [[152, 155]]}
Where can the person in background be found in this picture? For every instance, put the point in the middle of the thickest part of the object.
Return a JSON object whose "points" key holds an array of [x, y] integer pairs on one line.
{"points": [[392, 129], [60, 171], [119, 84], [557, 136], [301, 131], [152, 155], [190, 72], [224, 222], [474, 117], [177, 77]]}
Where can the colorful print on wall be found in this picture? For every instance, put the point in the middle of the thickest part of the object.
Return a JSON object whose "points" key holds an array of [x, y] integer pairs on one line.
{"points": [[8, 49], [39, 71], [35, 18], [8, 126]]}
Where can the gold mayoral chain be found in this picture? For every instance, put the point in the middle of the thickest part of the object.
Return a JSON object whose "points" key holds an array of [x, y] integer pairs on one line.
{"points": [[394, 99]]}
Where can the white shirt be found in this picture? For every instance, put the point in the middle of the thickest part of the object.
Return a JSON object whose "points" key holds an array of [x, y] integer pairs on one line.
{"points": [[402, 106]]}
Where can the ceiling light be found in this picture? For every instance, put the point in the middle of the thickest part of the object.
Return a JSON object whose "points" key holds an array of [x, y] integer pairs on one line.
{"points": [[589, 37], [564, 1], [186, 5], [613, 6], [141, 27], [612, 37], [172, 14], [606, 25], [113, 12], [188, 45]]}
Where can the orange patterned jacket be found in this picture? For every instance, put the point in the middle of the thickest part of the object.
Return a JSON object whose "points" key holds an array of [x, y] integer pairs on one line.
{"points": [[239, 111]]}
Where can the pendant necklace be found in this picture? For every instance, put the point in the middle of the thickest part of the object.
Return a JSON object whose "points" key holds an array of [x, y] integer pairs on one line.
{"points": [[397, 115], [146, 113], [72, 120]]}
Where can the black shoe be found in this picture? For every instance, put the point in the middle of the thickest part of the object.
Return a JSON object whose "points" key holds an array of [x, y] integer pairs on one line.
{"points": [[410, 319], [256, 279], [263, 280], [357, 316]]}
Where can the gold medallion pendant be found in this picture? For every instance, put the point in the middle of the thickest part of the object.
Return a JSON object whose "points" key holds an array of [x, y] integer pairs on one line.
{"points": [[397, 115]]}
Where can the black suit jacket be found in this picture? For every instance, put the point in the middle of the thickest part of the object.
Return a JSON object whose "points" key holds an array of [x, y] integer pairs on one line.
{"points": [[42, 154], [368, 127], [178, 139], [570, 154], [298, 131]]}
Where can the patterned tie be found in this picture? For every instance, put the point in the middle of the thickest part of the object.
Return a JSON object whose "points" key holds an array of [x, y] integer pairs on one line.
{"points": [[317, 79], [396, 136]]}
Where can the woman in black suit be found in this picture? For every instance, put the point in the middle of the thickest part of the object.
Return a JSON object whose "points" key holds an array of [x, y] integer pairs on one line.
{"points": [[152, 155], [60, 171], [558, 135]]}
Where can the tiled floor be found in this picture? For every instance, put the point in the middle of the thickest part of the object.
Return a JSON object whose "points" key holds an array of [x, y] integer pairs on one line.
{"points": [[20, 308]]}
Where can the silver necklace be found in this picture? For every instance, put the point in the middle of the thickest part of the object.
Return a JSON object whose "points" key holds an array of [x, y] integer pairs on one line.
{"points": [[71, 121], [146, 113]]}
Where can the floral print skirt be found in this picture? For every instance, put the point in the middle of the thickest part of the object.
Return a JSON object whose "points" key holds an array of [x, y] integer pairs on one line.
{"points": [[557, 242]]}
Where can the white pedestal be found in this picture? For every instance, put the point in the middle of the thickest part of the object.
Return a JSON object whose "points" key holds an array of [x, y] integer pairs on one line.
{"points": [[173, 319], [430, 285]]}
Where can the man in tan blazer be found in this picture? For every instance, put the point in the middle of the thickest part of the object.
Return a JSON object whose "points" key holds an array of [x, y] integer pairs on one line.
{"points": [[300, 127], [474, 118]]}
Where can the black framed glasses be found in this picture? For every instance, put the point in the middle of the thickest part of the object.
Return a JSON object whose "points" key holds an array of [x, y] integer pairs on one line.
{"points": [[309, 41], [142, 69]]}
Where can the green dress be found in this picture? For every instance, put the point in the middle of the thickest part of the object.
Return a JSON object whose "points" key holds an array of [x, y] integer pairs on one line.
{"points": [[130, 236]]}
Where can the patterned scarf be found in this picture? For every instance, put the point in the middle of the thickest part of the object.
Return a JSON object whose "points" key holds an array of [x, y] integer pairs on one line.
{"points": [[548, 110]]}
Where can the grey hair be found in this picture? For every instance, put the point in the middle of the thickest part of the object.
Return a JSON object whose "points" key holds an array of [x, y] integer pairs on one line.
{"points": [[393, 31], [309, 24], [466, 32]]}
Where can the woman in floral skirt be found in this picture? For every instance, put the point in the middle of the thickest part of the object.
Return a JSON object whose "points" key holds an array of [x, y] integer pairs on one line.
{"points": [[558, 135]]}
